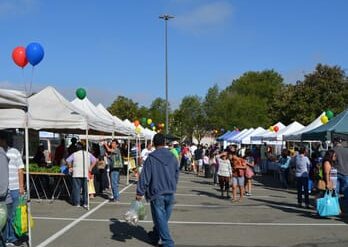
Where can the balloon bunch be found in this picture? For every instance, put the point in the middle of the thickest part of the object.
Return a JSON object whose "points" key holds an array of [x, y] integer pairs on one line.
{"points": [[274, 128], [33, 53], [328, 116], [148, 121]]}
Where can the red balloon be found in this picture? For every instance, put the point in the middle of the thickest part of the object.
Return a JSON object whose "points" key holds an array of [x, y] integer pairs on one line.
{"points": [[276, 128], [19, 57], [136, 123]]}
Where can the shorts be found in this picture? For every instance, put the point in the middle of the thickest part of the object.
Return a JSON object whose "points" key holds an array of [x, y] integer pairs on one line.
{"points": [[200, 163], [240, 181]]}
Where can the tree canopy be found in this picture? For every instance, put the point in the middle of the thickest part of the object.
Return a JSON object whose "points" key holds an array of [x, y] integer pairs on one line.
{"points": [[257, 98]]}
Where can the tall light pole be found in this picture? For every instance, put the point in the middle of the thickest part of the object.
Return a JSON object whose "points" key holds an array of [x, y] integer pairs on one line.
{"points": [[166, 17]]}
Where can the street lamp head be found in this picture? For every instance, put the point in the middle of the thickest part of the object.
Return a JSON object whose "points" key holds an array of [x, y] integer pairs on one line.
{"points": [[166, 17]]}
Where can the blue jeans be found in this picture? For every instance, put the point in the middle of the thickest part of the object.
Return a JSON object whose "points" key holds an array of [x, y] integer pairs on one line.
{"points": [[77, 185], [161, 209], [115, 175], [9, 233], [302, 183], [264, 166], [342, 185]]}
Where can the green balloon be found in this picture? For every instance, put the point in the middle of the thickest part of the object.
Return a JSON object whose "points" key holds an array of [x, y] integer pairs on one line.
{"points": [[81, 93], [143, 120], [329, 114]]}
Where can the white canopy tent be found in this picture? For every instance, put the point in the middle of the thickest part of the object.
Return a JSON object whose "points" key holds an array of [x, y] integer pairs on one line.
{"points": [[246, 139], [241, 137], [296, 136], [278, 136], [233, 138], [10, 99], [88, 109], [258, 138], [117, 122]]}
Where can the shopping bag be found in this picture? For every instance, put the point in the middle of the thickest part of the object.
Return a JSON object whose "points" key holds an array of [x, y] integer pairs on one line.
{"points": [[328, 205], [21, 218], [136, 212], [3, 214]]}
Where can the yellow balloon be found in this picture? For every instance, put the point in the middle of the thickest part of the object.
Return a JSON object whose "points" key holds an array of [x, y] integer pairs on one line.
{"points": [[324, 119], [137, 130], [149, 121], [270, 128]]}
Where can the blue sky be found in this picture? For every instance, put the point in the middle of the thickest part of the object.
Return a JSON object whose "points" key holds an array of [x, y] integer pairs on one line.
{"points": [[117, 47]]}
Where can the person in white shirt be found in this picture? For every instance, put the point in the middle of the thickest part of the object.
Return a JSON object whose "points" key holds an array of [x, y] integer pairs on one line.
{"points": [[224, 173], [80, 165], [15, 186], [146, 151]]}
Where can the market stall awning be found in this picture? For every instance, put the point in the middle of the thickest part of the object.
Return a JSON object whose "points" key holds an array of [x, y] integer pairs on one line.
{"points": [[336, 127]]}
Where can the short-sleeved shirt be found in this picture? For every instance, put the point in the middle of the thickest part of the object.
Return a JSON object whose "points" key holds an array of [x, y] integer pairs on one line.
{"points": [[15, 163], [76, 159], [302, 165]]}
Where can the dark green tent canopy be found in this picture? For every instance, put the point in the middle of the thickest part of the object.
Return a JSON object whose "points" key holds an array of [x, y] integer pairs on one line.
{"points": [[336, 127]]}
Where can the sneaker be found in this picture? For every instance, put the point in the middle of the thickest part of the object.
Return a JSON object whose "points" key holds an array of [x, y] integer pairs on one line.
{"points": [[85, 206], [10, 244], [78, 205]]}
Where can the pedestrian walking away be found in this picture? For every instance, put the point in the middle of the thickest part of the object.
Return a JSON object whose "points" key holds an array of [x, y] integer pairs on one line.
{"points": [[158, 182]]}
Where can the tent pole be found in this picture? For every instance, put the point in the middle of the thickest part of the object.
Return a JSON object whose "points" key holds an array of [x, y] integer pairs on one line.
{"points": [[128, 151], [84, 168], [27, 176]]}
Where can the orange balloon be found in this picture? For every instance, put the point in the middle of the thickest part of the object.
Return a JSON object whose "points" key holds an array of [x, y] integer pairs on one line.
{"points": [[136, 123]]}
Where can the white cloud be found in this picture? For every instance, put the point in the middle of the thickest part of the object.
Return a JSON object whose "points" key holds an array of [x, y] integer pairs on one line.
{"points": [[16, 7], [204, 17]]}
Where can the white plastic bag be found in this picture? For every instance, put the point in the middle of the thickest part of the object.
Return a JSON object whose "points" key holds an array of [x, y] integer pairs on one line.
{"points": [[3, 214], [136, 212]]}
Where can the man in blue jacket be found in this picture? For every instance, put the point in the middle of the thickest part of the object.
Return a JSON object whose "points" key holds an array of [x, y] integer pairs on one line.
{"points": [[157, 183]]}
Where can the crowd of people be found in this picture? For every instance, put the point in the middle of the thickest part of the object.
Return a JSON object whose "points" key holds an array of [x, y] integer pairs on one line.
{"points": [[232, 169]]}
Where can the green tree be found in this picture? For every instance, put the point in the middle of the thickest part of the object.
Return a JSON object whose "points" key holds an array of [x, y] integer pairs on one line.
{"points": [[245, 103], [123, 108], [157, 110], [191, 118], [325, 88], [211, 106]]}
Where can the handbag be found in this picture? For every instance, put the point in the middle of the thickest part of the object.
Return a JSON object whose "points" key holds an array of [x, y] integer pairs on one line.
{"points": [[20, 223], [249, 173], [328, 205], [321, 185]]}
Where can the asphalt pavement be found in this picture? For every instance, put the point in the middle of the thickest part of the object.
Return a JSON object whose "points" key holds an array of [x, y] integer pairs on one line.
{"points": [[200, 218]]}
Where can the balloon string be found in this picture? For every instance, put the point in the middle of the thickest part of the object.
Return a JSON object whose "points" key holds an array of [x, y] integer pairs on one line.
{"points": [[31, 79], [23, 80]]}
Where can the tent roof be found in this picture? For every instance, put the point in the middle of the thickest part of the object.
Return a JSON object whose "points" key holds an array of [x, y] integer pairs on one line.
{"points": [[246, 139], [48, 109], [278, 136], [118, 123], [338, 126], [233, 138], [297, 135], [230, 135], [12, 99], [259, 136], [221, 138], [88, 109], [241, 137]]}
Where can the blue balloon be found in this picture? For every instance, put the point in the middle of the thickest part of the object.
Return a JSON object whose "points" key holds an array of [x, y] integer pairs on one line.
{"points": [[152, 124], [34, 53]]}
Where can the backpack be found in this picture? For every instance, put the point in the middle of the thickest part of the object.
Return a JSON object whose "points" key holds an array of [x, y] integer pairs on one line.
{"points": [[116, 160]]}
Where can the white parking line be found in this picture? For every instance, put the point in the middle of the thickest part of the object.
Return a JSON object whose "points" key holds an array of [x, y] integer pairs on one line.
{"points": [[76, 221], [203, 222]]}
